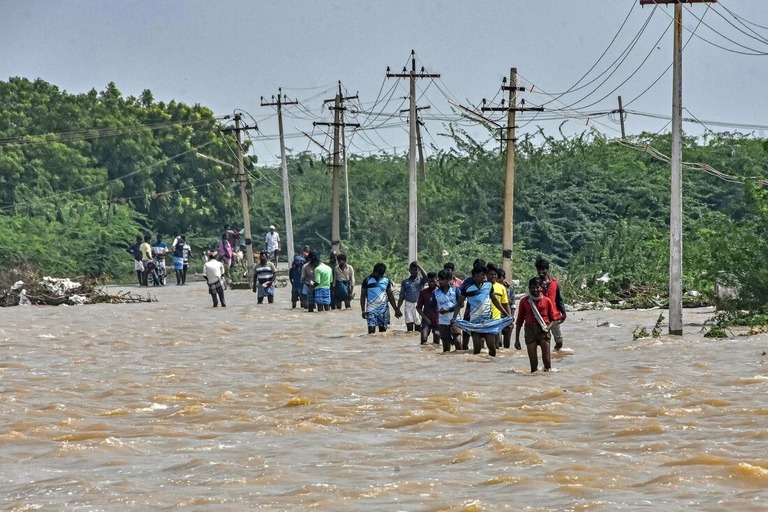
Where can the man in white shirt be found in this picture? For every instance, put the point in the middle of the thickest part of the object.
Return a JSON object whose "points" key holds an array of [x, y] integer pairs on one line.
{"points": [[214, 275], [272, 242]]}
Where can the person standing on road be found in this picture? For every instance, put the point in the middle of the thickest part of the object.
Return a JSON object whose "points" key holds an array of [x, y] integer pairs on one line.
{"points": [[185, 262], [214, 276], [138, 266], [178, 261], [146, 258], [272, 244]]}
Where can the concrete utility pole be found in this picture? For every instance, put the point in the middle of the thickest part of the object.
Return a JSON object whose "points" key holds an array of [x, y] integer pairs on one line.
{"points": [[419, 142], [243, 192], [620, 111], [509, 178], [346, 179], [282, 100], [413, 214], [676, 188], [338, 107]]}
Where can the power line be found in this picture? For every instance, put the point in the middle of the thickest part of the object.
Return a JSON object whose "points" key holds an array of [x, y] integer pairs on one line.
{"points": [[756, 52], [98, 133], [740, 18], [573, 88], [57, 196], [624, 58], [708, 169], [724, 124], [753, 35], [730, 50]]}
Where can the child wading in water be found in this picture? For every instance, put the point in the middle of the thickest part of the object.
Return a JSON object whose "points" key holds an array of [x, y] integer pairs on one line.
{"points": [[537, 313], [446, 298]]}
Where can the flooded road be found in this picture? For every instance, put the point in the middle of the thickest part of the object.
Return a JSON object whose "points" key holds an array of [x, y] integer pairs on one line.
{"points": [[177, 405]]}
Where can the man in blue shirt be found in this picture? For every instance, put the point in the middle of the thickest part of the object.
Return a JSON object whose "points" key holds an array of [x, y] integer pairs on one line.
{"points": [[409, 294], [375, 298], [479, 296]]}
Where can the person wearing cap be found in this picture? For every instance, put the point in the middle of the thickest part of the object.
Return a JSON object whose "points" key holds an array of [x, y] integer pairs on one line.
{"points": [[272, 243]]}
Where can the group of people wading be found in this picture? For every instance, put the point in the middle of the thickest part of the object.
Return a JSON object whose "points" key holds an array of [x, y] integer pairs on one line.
{"points": [[439, 305], [432, 303]]}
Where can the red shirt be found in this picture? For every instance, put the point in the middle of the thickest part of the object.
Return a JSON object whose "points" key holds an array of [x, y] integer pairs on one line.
{"points": [[545, 306], [549, 290]]}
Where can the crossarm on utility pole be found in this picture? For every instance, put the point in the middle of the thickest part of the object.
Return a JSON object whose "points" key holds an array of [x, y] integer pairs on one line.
{"points": [[282, 100]]}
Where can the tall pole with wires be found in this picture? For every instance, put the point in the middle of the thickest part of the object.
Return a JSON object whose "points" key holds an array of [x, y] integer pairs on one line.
{"points": [[507, 237], [338, 124], [676, 186], [243, 192], [413, 197], [621, 119], [346, 179], [336, 215], [509, 179], [282, 100]]}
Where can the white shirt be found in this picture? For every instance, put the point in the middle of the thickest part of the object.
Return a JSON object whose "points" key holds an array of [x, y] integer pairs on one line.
{"points": [[214, 269], [273, 241]]}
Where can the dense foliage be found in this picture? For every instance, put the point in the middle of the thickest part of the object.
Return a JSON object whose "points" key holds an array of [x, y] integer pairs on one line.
{"points": [[81, 175]]}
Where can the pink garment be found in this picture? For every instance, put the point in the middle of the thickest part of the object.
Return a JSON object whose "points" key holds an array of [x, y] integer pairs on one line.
{"points": [[225, 252]]}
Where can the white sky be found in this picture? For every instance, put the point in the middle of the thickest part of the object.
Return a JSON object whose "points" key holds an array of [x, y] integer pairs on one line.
{"points": [[226, 54]]}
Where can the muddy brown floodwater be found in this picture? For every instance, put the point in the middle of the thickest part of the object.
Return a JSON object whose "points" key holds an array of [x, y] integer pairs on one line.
{"points": [[176, 405]]}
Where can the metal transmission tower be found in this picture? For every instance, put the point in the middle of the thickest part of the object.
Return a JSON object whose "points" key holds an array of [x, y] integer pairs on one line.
{"points": [[413, 224], [279, 102], [676, 200]]}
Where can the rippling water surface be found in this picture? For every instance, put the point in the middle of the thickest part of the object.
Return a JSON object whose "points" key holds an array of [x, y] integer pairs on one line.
{"points": [[176, 405]]}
